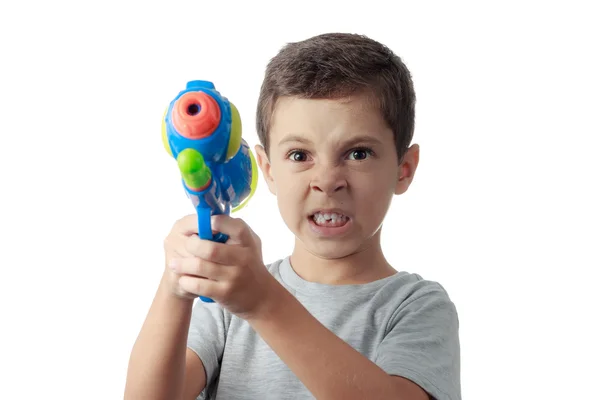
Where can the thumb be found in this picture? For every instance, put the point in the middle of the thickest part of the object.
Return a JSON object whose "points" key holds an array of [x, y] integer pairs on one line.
{"points": [[187, 225], [235, 228]]}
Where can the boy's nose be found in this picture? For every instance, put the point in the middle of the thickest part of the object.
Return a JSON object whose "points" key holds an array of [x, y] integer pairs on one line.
{"points": [[328, 180]]}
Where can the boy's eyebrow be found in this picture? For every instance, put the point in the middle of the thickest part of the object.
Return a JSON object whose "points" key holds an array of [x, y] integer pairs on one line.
{"points": [[351, 142], [368, 140], [294, 138]]}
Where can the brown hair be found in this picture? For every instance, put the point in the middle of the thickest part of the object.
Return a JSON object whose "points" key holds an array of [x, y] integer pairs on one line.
{"points": [[335, 65]]}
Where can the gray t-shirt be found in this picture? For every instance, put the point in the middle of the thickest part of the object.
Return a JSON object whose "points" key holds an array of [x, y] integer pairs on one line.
{"points": [[406, 325]]}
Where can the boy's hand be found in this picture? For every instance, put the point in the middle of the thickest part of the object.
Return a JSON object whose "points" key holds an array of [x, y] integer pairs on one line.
{"points": [[175, 248], [233, 273]]}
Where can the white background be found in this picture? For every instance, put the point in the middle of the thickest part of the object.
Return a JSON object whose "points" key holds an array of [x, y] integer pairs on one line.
{"points": [[503, 211]]}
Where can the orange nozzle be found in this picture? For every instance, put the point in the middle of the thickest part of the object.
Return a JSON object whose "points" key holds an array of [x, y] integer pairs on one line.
{"points": [[196, 115]]}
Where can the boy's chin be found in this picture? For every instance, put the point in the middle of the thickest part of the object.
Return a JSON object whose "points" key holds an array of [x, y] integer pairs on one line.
{"points": [[333, 250]]}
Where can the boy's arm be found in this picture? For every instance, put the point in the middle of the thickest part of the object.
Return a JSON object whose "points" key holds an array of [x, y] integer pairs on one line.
{"points": [[328, 367], [161, 366]]}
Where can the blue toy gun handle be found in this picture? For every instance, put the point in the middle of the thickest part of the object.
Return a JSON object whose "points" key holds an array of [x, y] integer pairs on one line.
{"points": [[208, 202], [204, 225], [205, 233]]}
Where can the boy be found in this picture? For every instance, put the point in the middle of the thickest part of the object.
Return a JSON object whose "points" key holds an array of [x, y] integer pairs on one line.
{"points": [[333, 320]]}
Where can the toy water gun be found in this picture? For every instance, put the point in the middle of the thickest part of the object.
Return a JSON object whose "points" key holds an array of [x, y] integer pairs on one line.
{"points": [[202, 130]]}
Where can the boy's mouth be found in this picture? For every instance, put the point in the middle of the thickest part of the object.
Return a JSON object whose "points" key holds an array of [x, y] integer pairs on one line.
{"points": [[329, 219]]}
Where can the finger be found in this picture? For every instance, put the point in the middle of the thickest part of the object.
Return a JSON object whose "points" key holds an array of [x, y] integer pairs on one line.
{"points": [[175, 246], [218, 253], [200, 286], [198, 267], [238, 231], [186, 226]]}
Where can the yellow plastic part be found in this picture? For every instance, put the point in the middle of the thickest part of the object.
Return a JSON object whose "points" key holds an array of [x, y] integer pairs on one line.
{"points": [[235, 137], [165, 141], [253, 183]]}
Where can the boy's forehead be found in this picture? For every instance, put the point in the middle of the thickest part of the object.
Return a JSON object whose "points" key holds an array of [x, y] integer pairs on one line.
{"points": [[336, 119]]}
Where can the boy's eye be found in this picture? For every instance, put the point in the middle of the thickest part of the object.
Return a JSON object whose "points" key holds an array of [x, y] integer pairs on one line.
{"points": [[360, 154], [297, 155]]}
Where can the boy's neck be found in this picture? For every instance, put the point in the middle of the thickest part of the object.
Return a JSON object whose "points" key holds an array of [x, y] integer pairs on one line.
{"points": [[366, 265]]}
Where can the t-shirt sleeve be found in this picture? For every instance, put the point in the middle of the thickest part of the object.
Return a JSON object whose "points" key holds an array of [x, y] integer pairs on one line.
{"points": [[206, 337], [422, 342]]}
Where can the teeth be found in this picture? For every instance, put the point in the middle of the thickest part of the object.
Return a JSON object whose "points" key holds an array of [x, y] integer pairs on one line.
{"points": [[329, 219]]}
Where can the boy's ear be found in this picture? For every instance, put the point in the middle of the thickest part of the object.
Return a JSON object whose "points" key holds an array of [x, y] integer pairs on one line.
{"points": [[407, 169], [265, 165]]}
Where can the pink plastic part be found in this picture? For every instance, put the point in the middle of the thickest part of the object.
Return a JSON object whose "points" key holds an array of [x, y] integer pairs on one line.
{"points": [[196, 115]]}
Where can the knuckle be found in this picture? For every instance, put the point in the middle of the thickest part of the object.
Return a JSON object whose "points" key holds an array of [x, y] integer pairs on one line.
{"points": [[170, 248], [240, 232], [192, 244], [189, 244], [190, 284], [211, 251], [197, 266], [182, 282], [242, 228], [197, 285], [181, 223]]}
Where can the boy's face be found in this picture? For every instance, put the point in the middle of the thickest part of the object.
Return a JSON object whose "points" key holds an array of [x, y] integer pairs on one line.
{"points": [[333, 166]]}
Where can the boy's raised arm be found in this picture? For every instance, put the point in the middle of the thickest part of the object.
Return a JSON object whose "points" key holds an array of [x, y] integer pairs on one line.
{"points": [[161, 366]]}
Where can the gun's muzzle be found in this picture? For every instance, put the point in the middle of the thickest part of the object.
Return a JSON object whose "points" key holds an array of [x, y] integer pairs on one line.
{"points": [[194, 170], [196, 115]]}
